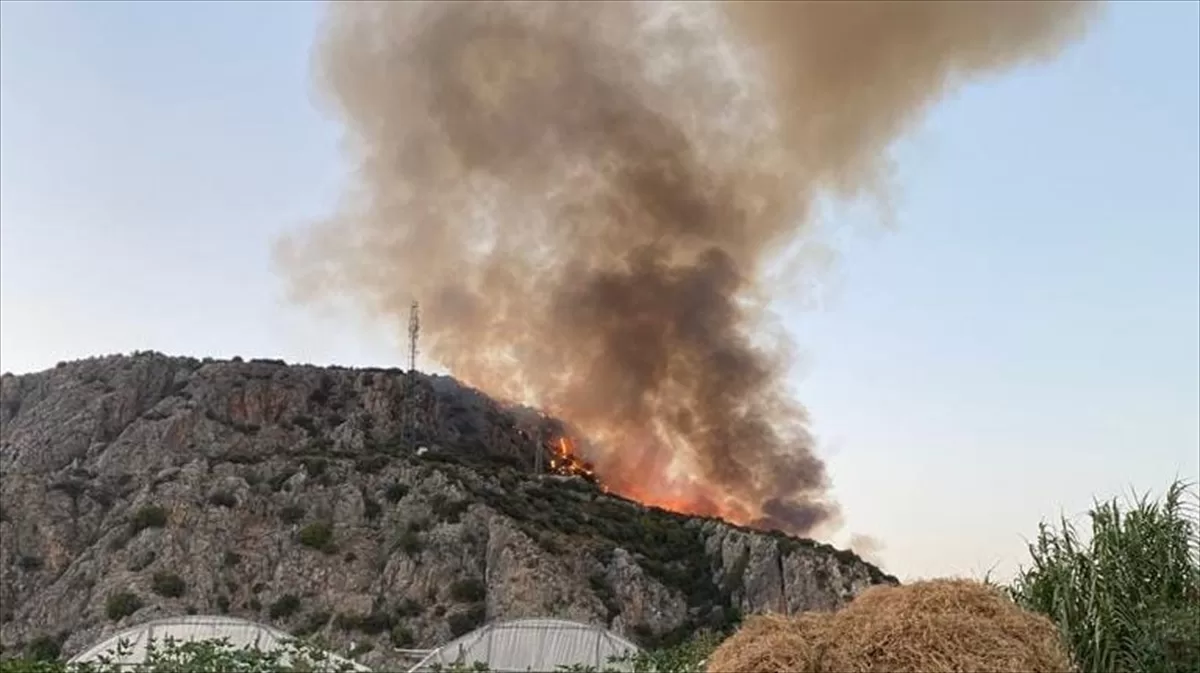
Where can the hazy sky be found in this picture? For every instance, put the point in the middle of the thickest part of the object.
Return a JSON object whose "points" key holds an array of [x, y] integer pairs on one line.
{"points": [[1026, 337]]}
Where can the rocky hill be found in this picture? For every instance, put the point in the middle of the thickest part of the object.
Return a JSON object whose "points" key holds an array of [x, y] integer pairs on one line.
{"points": [[375, 508]]}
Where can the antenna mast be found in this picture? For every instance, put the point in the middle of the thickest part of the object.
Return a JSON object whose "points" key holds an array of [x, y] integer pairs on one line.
{"points": [[414, 333]]}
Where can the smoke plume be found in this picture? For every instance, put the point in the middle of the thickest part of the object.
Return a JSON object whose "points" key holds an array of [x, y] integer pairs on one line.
{"points": [[586, 197]]}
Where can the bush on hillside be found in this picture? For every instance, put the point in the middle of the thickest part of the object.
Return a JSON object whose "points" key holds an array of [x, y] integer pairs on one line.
{"points": [[150, 516], [168, 585], [285, 607], [122, 604], [464, 622], [471, 590], [43, 648], [395, 491], [223, 499], [317, 535]]}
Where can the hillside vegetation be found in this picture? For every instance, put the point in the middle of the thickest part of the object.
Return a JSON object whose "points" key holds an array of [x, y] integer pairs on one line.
{"points": [[145, 486]]}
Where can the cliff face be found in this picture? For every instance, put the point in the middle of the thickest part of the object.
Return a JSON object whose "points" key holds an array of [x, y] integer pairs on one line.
{"points": [[371, 507]]}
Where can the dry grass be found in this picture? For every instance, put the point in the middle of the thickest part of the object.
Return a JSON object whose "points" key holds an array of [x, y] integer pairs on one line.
{"points": [[937, 626]]}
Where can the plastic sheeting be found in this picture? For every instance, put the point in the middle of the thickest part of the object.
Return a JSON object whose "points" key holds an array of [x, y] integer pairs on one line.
{"points": [[532, 645], [239, 633]]}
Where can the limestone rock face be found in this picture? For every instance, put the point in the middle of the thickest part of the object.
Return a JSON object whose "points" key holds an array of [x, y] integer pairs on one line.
{"points": [[296, 496]]}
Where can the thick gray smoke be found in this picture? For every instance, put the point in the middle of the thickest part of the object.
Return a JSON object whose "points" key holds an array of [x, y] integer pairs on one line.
{"points": [[585, 198]]}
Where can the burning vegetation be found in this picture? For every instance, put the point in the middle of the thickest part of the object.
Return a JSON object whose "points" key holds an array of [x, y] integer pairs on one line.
{"points": [[590, 201], [565, 462]]}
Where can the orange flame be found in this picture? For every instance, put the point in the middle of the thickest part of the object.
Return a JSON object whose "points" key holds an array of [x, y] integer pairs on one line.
{"points": [[675, 495], [564, 461]]}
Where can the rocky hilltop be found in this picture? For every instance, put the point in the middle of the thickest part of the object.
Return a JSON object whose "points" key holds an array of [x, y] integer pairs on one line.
{"points": [[376, 509]]}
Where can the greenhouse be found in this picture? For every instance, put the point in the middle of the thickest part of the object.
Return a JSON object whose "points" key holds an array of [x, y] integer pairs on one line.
{"points": [[532, 645], [239, 634]]}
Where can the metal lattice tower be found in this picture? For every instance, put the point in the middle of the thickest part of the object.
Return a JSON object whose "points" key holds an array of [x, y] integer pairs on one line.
{"points": [[410, 412], [414, 333]]}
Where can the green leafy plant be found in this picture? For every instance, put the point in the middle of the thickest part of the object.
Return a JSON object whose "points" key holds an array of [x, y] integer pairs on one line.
{"points": [[395, 491], [318, 535], [410, 542], [150, 516], [463, 622], [43, 648], [122, 604], [284, 607], [167, 584], [223, 499], [402, 637], [470, 590], [1128, 598], [202, 656]]}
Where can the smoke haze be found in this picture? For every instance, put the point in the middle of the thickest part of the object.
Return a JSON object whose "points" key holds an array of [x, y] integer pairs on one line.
{"points": [[585, 198]]}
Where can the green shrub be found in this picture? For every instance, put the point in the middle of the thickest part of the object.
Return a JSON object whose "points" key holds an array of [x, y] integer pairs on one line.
{"points": [[371, 509], [167, 584], [448, 510], [464, 622], [223, 499], [687, 657], [43, 648], [284, 607], [395, 491], [230, 559], [317, 535], [313, 622], [315, 467], [372, 624], [1128, 598], [470, 590], [410, 542], [203, 655], [29, 563], [223, 604], [402, 637], [121, 605], [150, 516]]}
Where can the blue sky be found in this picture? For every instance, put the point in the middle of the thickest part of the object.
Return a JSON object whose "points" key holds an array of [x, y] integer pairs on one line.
{"points": [[1026, 337]]}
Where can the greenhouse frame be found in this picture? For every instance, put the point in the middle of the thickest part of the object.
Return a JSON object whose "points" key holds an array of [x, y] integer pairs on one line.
{"points": [[240, 633], [532, 645]]}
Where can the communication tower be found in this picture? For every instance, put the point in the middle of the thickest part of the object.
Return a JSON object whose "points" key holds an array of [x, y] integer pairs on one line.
{"points": [[414, 333]]}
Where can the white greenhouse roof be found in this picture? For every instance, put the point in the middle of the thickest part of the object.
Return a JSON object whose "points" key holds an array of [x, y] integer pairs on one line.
{"points": [[240, 633], [532, 645]]}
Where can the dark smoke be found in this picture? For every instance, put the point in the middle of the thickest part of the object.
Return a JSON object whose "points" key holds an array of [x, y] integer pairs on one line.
{"points": [[585, 198]]}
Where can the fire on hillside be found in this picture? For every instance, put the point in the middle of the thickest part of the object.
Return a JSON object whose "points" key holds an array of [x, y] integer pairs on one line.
{"points": [[565, 461]]}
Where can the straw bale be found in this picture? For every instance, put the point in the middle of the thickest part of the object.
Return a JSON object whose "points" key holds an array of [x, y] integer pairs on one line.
{"points": [[935, 626]]}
